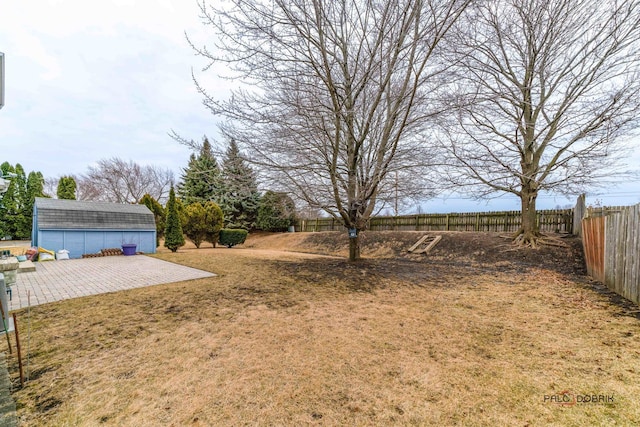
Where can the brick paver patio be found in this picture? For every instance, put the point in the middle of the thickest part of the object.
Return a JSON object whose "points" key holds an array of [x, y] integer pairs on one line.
{"points": [[59, 280]]}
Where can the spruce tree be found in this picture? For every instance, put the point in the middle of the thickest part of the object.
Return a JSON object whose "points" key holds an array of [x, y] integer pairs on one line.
{"points": [[201, 181], [173, 237], [241, 198], [276, 212], [67, 188]]}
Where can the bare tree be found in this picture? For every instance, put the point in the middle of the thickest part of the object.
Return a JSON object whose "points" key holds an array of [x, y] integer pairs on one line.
{"points": [[336, 94], [51, 186], [118, 181], [546, 92], [85, 190]]}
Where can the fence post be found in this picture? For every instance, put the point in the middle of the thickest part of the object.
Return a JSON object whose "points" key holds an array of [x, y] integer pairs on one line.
{"points": [[578, 213]]}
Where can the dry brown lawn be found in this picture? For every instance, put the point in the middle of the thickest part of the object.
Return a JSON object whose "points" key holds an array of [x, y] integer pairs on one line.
{"points": [[282, 338]]}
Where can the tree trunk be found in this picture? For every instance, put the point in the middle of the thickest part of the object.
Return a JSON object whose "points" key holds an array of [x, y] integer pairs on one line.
{"points": [[529, 231], [353, 228], [354, 248]]}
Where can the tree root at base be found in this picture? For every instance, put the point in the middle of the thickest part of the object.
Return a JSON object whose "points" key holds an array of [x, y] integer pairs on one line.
{"points": [[534, 240]]}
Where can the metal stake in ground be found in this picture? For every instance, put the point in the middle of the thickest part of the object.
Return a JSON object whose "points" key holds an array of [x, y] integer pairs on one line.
{"points": [[15, 327], [28, 330]]}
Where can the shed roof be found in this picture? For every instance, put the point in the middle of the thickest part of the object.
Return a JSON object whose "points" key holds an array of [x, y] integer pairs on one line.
{"points": [[77, 214]]}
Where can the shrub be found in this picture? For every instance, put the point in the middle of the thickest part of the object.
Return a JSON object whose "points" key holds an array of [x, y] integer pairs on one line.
{"points": [[232, 237], [214, 220], [195, 227]]}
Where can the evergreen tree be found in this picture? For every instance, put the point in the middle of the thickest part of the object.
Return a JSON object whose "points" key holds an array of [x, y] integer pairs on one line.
{"points": [[158, 212], [214, 219], [173, 237], [11, 208], [180, 207], [35, 188], [23, 217], [241, 197], [16, 204], [201, 181], [276, 212], [195, 227], [7, 202], [67, 188]]}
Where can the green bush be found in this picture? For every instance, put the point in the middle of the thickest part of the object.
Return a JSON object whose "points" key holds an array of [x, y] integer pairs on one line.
{"points": [[214, 220], [232, 237], [195, 227]]}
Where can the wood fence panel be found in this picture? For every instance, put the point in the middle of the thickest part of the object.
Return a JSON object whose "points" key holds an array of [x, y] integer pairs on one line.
{"points": [[633, 259], [553, 221], [593, 244], [614, 224], [622, 250]]}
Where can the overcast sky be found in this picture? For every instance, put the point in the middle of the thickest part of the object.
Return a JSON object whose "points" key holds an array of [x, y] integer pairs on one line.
{"points": [[88, 80]]}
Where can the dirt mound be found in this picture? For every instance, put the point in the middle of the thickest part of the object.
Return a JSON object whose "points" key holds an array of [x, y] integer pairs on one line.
{"points": [[463, 249]]}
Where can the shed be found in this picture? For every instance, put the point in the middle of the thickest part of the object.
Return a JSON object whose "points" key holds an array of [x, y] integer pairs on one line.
{"points": [[84, 227]]}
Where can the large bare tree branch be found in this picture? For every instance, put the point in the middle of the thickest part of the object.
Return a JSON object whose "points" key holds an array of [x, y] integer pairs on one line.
{"points": [[337, 95], [554, 93]]}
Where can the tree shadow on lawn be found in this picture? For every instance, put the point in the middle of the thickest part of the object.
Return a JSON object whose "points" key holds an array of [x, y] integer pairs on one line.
{"points": [[456, 250], [367, 275], [449, 269]]}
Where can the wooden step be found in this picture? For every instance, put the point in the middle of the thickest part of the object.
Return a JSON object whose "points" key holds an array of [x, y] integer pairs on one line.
{"points": [[428, 240], [422, 239]]}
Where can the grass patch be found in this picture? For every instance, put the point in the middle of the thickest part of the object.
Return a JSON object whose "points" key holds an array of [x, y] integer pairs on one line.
{"points": [[292, 339]]}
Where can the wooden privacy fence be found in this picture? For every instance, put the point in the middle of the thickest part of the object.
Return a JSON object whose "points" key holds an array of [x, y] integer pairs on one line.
{"points": [[593, 243], [612, 250], [554, 221]]}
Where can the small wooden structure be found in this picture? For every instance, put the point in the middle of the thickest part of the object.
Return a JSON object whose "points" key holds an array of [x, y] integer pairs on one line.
{"points": [[429, 241], [86, 227]]}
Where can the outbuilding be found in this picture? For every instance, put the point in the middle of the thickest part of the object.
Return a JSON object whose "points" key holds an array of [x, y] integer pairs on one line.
{"points": [[84, 227]]}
